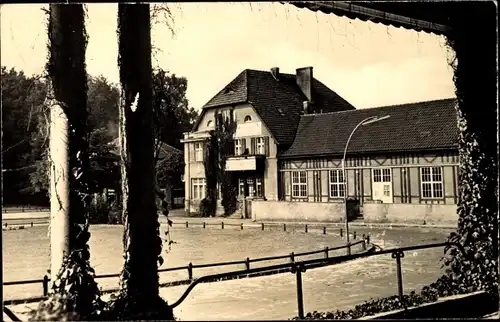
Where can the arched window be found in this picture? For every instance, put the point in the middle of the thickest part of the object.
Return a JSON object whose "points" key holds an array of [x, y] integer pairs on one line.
{"points": [[209, 123], [248, 118]]}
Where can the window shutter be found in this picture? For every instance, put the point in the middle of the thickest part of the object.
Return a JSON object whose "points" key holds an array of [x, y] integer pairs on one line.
{"points": [[266, 145], [253, 146], [243, 145], [191, 148], [230, 148]]}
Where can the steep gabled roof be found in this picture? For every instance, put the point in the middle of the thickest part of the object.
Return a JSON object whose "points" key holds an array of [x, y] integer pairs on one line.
{"points": [[420, 126], [279, 102]]}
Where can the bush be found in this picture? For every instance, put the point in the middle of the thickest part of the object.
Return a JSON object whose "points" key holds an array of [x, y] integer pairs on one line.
{"points": [[206, 208], [102, 212], [373, 306]]}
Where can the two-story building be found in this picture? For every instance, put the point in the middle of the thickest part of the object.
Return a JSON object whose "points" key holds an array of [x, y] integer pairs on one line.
{"points": [[289, 146], [267, 107]]}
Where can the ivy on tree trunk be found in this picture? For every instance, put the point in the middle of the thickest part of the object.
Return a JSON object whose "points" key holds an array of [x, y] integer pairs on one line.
{"points": [[475, 84], [139, 285], [74, 293]]}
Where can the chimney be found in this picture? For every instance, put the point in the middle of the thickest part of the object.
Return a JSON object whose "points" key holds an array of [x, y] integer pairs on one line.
{"points": [[275, 71], [306, 107], [304, 80]]}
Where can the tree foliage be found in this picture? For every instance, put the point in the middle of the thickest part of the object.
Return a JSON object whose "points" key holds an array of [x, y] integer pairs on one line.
{"points": [[22, 107]]}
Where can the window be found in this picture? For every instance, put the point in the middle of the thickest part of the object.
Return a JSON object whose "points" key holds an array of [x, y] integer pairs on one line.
{"points": [[248, 118], [238, 147], [209, 123], [258, 187], [299, 184], [337, 184], [432, 182], [198, 188], [382, 175], [198, 152], [387, 190], [241, 187], [260, 146], [251, 188]]}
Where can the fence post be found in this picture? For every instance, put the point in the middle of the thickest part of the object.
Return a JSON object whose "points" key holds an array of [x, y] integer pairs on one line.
{"points": [[324, 230], [348, 248], [292, 257], [190, 271], [203, 224], [262, 226], [284, 227], [187, 224], [341, 232], [247, 263], [306, 228], [222, 225], [45, 285], [326, 252], [398, 254], [300, 300], [241, 226]]}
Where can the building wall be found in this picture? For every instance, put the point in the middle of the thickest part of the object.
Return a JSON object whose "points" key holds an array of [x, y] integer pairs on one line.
{"points": [[297, 211], [405, 172], [289, 211], [245, 130], [430, 214]]}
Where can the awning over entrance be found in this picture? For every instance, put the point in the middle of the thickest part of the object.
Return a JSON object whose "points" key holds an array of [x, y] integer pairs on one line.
{"points": [[419, 16]]}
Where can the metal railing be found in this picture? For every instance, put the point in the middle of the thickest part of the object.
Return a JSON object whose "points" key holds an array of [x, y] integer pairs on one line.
{"points": [[247, 262], [27, 208], [301, 267]]}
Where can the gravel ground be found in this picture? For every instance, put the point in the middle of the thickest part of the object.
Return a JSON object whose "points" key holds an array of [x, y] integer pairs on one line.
{"points": [[26, 255]]}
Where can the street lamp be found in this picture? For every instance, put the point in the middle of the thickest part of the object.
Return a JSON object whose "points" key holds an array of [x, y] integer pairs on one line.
{"points": [[368, 120]]}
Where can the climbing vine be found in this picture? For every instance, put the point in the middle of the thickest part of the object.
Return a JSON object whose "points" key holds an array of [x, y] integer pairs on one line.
{"points": [[74, 293], [217, 149]]}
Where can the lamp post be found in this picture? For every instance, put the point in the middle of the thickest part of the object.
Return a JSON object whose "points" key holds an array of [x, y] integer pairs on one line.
{"points": [[368, 120]]}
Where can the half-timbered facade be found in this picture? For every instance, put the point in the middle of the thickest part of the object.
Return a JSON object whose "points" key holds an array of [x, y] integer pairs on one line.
{"points": [[410, 157]]}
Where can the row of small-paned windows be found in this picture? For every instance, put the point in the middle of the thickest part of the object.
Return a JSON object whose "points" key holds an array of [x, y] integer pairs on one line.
{"points": [[431, 179]]}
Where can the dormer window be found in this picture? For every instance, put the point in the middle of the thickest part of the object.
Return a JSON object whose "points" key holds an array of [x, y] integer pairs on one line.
{"points": [[248, 118], [209, 123]]}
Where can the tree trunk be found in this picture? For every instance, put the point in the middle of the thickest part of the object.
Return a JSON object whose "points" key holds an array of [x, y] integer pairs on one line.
{"points": [[142, 245], [74, 293], [69, 144]]}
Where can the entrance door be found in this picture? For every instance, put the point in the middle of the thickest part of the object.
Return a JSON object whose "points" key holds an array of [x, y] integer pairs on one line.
{"points": [[382, 185]]}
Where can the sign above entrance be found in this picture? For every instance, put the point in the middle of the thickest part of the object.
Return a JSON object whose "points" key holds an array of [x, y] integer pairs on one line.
{"points": [[241, 164]]}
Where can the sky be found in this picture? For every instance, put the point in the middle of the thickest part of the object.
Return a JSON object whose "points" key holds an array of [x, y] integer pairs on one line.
{"points": [[367, 64]]}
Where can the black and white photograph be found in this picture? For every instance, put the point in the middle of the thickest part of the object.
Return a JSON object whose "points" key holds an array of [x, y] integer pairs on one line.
{"points": [[243, 161]]}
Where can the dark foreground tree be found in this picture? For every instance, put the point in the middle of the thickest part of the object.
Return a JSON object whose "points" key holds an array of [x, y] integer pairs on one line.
{"points": [[138, 298], [74, 294]]}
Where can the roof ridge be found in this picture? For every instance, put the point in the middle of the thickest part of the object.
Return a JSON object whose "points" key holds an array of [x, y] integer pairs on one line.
{"points": [[381, 107]]}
